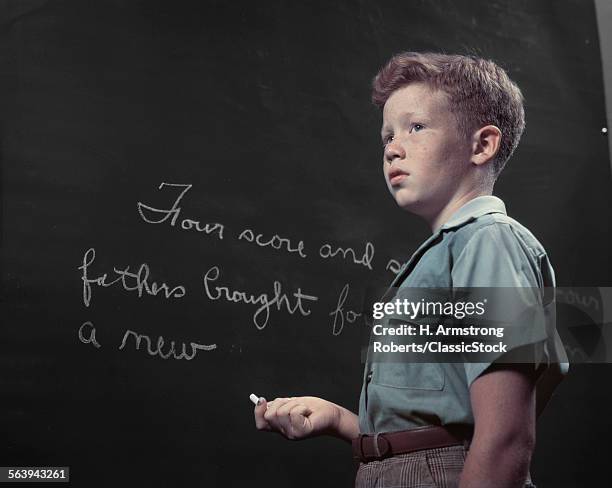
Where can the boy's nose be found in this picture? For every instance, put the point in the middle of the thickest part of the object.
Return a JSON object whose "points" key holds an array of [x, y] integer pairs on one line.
{"points": [[394, 151]]}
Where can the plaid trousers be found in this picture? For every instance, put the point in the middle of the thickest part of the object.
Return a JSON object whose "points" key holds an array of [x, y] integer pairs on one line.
{"points": [[430, 468]]}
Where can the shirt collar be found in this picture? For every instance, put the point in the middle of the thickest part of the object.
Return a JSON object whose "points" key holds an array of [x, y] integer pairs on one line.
{"points": [[473, 209]]}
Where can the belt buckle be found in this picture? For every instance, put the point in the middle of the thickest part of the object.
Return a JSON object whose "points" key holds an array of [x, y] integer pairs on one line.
{"points": [[378, 454]]}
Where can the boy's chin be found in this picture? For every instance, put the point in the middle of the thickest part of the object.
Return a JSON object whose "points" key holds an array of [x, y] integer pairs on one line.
{"points": [[406, 202], [413, 204]]}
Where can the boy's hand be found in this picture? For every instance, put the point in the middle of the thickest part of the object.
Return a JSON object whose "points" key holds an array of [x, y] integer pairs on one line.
{"points": [[297, 417]]}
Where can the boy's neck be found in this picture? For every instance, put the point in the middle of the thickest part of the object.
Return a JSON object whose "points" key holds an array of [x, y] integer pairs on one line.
{"points": [[452, 206]]}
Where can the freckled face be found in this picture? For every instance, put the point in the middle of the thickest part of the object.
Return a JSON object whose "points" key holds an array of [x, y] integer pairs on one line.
{"points": [[425, 159]]}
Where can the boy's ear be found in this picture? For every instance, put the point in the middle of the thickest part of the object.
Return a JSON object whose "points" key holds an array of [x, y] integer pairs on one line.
{"points": [[485, 144]]}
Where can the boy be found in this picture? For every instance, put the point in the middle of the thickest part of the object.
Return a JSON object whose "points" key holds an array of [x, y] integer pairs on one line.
{"points": [[450, 123]]}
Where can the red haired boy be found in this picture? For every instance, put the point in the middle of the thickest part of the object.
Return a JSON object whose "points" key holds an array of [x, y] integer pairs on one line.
{"points": [[450, 124]]}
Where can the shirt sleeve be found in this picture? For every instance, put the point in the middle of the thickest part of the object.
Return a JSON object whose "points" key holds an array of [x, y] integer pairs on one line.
{"points": [[494, 257]]}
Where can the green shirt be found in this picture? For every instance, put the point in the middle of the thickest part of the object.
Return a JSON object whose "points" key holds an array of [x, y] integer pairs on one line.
{"points": [[479, 246]]}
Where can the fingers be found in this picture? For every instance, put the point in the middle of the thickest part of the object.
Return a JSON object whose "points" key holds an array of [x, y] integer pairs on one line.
{"points": [[282, 418], [271, 414], [260, 409], [289, 417], [299, 422]]}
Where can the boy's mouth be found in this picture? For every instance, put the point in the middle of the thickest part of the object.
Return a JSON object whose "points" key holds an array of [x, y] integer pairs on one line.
{"points": [[396, 176]]}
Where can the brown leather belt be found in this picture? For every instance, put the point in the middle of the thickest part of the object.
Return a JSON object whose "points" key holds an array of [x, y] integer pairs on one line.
{"points": [[372, 447]]}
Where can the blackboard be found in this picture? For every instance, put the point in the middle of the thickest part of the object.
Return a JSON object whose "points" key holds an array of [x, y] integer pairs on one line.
{"points": [[228, 152]]}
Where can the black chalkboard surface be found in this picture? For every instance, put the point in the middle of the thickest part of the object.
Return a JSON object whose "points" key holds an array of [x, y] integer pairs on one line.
{"points": [[193, 204]]}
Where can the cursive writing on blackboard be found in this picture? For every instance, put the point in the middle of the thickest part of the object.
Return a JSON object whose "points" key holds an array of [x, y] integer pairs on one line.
{"points": [[340, 315], [262, 314], [129, 281], [173, 213], [157, 349], [393, 265], [154, 215], [87, 335], [275, 242], [327, 251]]}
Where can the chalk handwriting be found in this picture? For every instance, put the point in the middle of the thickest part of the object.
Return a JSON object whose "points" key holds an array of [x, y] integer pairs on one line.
{"points": [[129, 281], [275, 241], [572, 297], [393, 265], [157, 350], [326, 251], [90, 337], [262, 314], [154, 215], [340, 315], [173, 214]]}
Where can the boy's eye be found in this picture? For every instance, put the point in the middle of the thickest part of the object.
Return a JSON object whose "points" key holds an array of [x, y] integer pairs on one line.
{"points": [[413, 128]]}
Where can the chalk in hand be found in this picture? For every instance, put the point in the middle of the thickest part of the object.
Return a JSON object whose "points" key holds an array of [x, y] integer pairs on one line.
{"points": [[254, 398]]}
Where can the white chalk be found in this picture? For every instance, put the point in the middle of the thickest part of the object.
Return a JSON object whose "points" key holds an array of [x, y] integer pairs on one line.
{"points": [[254, 398]]}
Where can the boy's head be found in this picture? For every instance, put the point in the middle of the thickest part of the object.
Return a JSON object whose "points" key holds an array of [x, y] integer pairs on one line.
{"points": [[475, 118]]}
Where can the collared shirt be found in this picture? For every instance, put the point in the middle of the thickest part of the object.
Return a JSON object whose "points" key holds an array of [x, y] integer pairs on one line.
{"points": [[479, 246]]}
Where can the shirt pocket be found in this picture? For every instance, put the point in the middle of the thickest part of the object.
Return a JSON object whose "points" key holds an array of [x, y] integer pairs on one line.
{"points": [[415, 376], [405, 374]]}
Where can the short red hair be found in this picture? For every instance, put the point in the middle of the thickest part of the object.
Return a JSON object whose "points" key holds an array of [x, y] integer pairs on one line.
{"points": [[480, 93]]}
